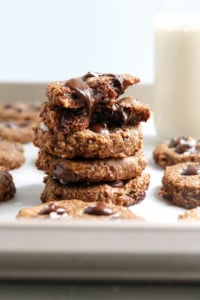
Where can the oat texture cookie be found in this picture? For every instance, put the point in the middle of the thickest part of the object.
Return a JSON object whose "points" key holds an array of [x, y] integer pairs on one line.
{"points": [[16, 130], [75, 209], [118, 192], [11, 154], [17, 121], [182, 149], [7, 186], [94, 170], [180, 184], [100, 142], [92, 87], [125, 111], [21, 111]]}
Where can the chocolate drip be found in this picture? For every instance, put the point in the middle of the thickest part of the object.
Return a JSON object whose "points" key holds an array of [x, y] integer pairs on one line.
{"points": [[100, 209], [81, 89]]}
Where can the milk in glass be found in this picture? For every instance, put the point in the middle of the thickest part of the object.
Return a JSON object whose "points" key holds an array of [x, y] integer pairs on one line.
{"points": [[177, 75]]}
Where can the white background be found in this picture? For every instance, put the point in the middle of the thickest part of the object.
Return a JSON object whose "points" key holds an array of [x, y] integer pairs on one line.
{"points": [[44, 40]]}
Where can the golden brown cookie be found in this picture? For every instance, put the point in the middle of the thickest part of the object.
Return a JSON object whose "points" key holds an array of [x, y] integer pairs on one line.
{"points": [[93, 170], [119, 192], [21, 111], [75, 209], [91, 87], [11, 154], [183, 149], [17, 130], [119, 142], [7, 186], [180, 184]]}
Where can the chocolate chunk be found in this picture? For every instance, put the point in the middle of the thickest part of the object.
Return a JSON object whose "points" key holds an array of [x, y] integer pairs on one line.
{"points": [[191, 170], [80, 89], [54, 211], [183, 144], [117, 81], [100, 209], [100, 128], [65, 176], [116, 183], [10, 125]]}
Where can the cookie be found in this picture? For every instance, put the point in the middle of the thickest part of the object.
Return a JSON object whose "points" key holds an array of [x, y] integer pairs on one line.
{"points": [[181, 184], [190, 215], [95, 170], [17, 130], [101, 143], [125, 111], [7, 186], [11, 154], [117, 192], [20, 111], [182, 149], [85, 90], [67, 210]]}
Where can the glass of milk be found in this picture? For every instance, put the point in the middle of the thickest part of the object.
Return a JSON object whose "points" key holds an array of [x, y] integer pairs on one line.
{"points": [[177, 75]]}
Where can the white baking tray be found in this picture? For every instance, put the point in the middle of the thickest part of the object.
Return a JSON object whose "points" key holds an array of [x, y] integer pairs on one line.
{"points": [[159, 249]]}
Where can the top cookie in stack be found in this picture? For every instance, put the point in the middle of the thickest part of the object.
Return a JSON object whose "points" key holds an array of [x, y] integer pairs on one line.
{"points": [[90, 140]]}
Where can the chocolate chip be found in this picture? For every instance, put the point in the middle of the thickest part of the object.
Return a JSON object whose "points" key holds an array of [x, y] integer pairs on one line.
{"points": [[182, 148], [19, 110], [65, 176], [7, 106], [10, 125], [100, 128], [183, 145], [116, 183], [100, 209], [54, 211], [191, 170], [80, 88]]}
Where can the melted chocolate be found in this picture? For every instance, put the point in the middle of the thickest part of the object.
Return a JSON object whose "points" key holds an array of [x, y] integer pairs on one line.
{"points": [[100, 128], [81, 87], [191, 170], [65, 176], [116, 183], [118, 81], [67, 120], [100, 209], [54, 211], [87, 184], [81, 90]]}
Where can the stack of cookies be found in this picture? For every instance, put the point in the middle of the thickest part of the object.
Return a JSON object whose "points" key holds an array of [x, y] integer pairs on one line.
{"points": [[90, 141]]}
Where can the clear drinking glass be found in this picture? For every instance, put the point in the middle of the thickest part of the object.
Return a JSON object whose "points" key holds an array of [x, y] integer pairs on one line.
{"points": [[177, 71]]}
